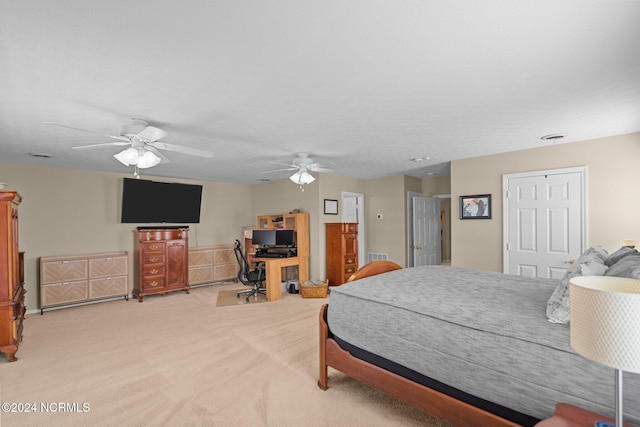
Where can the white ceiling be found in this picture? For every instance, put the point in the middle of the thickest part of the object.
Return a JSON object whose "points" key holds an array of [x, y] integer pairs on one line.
{"points": [[367, 84]]}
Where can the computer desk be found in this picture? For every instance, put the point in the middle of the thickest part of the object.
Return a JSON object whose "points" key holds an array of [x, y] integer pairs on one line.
{"points": [[273, 270]]}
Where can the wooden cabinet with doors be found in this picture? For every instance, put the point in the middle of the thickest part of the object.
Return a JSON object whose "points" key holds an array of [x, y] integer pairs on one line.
{"points": [[12, 308], [341, 251], [161, 261]]}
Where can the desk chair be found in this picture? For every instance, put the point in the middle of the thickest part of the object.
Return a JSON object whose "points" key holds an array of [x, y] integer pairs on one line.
{"points": [[248, 277]]}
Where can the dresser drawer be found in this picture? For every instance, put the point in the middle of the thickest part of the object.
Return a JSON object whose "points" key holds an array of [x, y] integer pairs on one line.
{"points": [[149, 248], [350, 261], [349, 270], [153, 259], [107, 267], [153, 270], [150, 283], [63, 293], [64, 270], [108, 287]]}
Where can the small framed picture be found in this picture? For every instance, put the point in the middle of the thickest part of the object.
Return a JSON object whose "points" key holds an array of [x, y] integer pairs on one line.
{"points": [[330, 207], [475, 207]]}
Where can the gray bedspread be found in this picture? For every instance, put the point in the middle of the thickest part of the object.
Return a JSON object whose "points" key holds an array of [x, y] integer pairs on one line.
{"points": [[481, 332]]}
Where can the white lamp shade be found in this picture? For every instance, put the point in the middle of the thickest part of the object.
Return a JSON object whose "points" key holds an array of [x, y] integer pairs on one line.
{"points": [[138, 156], [605, 320], [148, 160], [302, 177], [127, 157]]}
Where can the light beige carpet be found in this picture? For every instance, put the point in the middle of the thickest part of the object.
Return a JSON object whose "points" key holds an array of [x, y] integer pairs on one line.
{"points": [[230, 297], [178, 360]]}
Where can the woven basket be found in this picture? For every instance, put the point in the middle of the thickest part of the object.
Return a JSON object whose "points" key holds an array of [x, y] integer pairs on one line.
{"points": [[314, 291]]}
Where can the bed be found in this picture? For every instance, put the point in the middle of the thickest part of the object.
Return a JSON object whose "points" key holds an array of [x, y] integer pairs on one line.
{"points": [[492, 358]]}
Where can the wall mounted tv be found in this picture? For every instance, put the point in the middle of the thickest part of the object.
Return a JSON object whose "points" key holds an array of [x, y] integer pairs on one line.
{"points": [[146, 201]]}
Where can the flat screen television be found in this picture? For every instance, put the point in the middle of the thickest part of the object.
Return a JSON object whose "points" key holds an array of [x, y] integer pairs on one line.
{"points": [[263, 237], [145, 201], [286, 238]]}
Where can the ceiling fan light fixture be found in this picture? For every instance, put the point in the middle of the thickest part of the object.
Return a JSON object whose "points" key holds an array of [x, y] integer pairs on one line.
{"points": [[127, 157], [148, 160], [302, 178]]}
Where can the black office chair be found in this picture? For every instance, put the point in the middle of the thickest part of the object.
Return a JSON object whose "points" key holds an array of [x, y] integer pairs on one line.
{"points": [[248, 277]]}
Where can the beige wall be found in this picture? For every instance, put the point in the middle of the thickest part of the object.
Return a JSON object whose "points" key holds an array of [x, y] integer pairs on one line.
{"points": [[73, 211], [386, 196], [612, 194]]}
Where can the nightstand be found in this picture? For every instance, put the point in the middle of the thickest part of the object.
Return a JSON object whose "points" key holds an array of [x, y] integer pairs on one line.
{"points": [[571, 416]]}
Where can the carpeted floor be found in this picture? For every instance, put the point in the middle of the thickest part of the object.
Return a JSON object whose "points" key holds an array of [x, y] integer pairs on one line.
{"points": [[178, 360]]}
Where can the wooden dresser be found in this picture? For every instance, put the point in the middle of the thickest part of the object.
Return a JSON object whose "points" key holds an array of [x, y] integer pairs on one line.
{"points": [[341, 251], [81, 278], [209, 264], [12, 308], [161, 261]]}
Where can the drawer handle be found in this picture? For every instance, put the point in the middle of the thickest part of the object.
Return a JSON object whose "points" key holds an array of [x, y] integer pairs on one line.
{"points": [[154, 259], [350, 261], [64, 262], [66, 283], [349, 270], [153, 271], [154, 247], [154, 283], [108, 259]]}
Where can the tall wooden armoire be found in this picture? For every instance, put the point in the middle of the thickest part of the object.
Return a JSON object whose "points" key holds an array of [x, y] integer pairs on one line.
{"points": [[12, 308], [341, 251]]}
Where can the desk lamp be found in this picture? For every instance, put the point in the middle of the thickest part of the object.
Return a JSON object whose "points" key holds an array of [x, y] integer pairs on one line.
{"points": [[605, 325]]}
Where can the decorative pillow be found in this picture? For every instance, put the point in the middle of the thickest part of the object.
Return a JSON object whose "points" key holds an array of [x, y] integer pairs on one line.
{"points": [[590, 263], [619, 254], [628, 266]]}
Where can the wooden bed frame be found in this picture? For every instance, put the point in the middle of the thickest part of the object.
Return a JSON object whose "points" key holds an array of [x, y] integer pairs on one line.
{"points": [[417, 395]]}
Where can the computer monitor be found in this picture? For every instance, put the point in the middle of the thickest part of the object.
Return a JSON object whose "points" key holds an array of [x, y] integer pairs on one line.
{"points": [[286, 238], [263, 237]]}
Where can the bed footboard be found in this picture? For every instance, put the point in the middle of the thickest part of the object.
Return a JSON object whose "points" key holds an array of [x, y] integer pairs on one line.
{"points": [[421, 397]]}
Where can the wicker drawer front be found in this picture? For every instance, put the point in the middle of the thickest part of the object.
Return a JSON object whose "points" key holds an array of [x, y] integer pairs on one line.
{"points": [[63, 293], [225, 272], [223, 256], [108, 287], [199, 275], [67, 270], [107, 267], [200, 258]]}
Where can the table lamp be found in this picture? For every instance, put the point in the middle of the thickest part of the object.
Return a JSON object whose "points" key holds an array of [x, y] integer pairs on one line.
{"points": [[605, 325]]}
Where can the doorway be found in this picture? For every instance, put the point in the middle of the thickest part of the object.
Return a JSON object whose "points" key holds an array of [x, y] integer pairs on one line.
{"points": [[544, 220]]}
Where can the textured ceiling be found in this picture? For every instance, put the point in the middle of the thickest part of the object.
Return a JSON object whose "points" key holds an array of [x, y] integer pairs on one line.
{"points": [[367, 84]]}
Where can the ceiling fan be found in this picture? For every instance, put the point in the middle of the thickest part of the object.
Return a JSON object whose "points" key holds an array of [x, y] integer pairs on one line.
{"points": [[303, 165], [144, 144]]}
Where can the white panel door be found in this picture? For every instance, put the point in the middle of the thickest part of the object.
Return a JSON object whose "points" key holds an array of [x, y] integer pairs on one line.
{"points": [[545, 223], [426, 231]]}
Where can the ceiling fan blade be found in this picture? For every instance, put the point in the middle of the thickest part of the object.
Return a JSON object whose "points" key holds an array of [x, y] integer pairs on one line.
{"points": [[284, 164], [163, 158], [104, 144], [74, 128], [151, 133], [280, 170], [181, 149]]}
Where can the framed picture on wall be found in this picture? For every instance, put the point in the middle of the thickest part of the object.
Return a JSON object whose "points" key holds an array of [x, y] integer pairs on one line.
{"points": [[475, 207], [330, 207]]}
